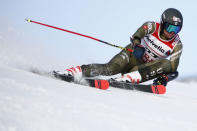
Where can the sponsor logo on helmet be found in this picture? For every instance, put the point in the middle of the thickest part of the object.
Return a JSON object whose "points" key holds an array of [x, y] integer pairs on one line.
{"points": [[176, 19]]}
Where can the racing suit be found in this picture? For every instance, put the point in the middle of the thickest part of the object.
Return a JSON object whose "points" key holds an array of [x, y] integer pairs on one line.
{"points": [[161, 56]]}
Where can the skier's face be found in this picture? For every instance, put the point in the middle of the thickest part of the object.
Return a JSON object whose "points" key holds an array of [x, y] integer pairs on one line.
{"points": [[168, 35]]}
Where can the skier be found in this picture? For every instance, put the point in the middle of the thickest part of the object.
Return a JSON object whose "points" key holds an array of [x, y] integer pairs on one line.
{"points": [[156, 52]]}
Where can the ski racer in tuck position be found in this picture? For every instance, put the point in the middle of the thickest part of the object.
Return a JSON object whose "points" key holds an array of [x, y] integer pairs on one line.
{"points": [[156, 52]]}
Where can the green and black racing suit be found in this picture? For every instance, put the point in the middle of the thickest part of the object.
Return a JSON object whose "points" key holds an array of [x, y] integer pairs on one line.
{"points": [[126, 62]]}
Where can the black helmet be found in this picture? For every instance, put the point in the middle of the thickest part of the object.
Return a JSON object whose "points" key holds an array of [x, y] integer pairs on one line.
{"points": [[171, 20]]}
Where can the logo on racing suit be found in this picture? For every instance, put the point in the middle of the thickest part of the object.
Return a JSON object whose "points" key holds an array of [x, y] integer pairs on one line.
{"points": [[154, 45], [151, 53], [149, 27]]}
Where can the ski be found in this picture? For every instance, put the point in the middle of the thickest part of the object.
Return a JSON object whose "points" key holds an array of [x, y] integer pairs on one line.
{"points": [[95, 83], [155, 89], [104, 84], [100, 84]]}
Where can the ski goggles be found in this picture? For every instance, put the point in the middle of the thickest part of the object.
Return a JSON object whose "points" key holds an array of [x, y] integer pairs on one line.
{"points": [[172, 28]]}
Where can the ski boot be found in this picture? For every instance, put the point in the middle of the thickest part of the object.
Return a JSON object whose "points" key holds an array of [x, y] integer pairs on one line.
{"points": [[132, 77], [73, 74]]}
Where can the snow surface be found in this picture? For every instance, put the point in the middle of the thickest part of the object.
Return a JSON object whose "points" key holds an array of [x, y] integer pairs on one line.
{"points": [[29, 102]]}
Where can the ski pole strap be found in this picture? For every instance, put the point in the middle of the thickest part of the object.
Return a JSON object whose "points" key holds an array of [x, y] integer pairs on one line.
{"points": [[72, 32]]}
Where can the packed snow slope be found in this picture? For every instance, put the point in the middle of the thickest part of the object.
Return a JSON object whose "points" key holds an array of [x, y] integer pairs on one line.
{"points": [[29, 102]]}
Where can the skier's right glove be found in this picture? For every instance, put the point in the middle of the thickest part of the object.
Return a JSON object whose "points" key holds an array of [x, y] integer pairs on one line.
{"points": [[138, 51], [161, 80]]}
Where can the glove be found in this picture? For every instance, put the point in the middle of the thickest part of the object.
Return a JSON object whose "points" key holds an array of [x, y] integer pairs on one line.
{"points": [[138, 51], [161, 80]]}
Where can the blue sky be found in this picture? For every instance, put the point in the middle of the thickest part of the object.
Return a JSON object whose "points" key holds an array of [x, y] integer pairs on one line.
{"points": [[110, 20]]}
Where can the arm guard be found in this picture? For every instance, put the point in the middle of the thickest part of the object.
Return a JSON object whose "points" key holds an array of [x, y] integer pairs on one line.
{"points": [[175, 56]]}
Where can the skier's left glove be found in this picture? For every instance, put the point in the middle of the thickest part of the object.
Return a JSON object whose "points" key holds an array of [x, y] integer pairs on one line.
{"points": [[161, 80]]}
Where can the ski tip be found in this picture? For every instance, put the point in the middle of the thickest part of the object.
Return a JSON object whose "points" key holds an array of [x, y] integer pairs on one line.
{"points": [[101, 84], [158, 89]]}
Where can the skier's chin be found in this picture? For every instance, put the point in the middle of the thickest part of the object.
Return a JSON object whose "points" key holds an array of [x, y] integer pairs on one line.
{"points": [[169, 35]]}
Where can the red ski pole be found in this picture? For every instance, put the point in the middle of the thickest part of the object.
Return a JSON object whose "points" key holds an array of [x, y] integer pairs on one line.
{"points": [[72, 32]]}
